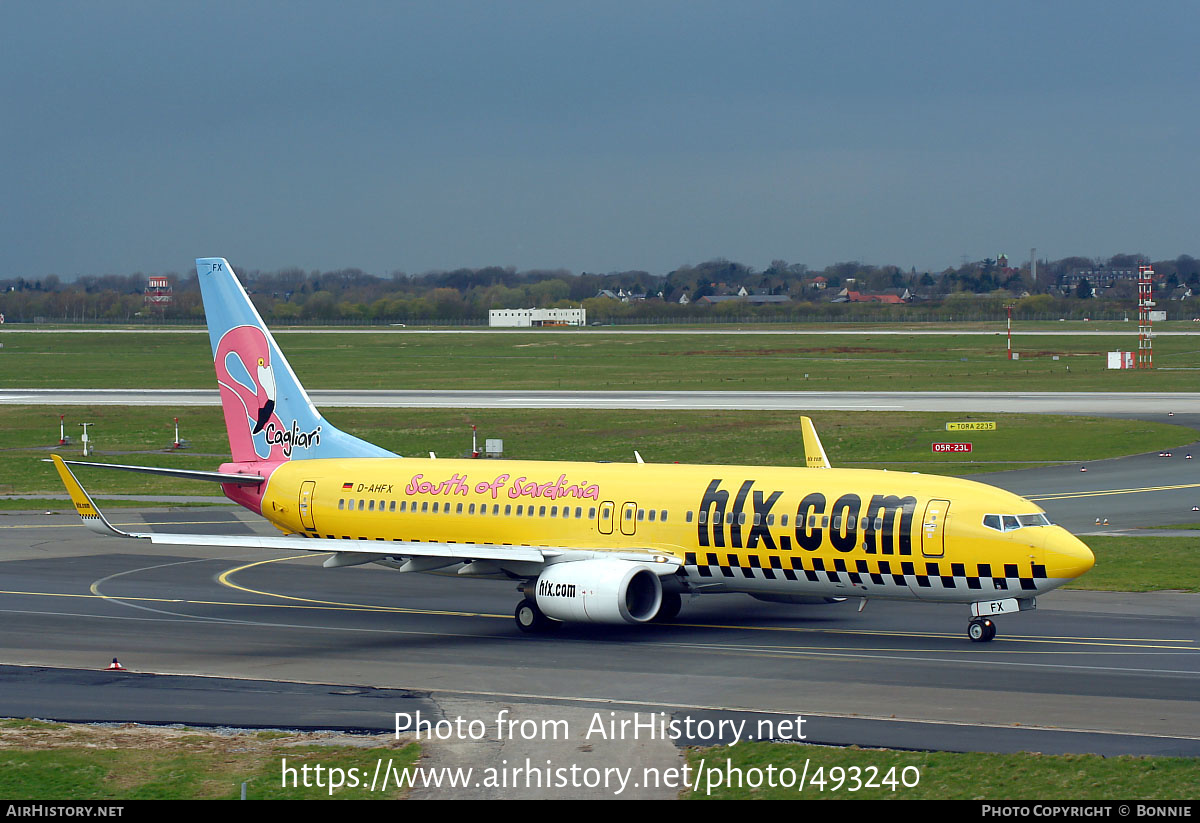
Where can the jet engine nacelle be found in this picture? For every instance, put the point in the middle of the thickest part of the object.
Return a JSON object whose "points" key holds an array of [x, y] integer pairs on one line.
{"points": [[598, 591]]}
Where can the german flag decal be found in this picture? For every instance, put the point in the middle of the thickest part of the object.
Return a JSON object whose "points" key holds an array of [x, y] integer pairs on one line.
{"points": [[347, 486]]}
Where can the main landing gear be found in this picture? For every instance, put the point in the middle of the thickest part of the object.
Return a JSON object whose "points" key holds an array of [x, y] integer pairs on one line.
{"points": [[981, 630], [672, 602], [532, 620]]}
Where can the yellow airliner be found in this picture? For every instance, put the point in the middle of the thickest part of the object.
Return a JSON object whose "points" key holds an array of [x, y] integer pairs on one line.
{"points": [[605, 542]]}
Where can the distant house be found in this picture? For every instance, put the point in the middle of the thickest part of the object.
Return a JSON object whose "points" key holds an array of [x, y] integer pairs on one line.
{"points": [[1099, 278], [620, 294], [891, 296]]}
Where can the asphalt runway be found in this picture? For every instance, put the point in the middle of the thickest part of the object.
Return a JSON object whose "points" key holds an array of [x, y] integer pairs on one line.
{"points": [[259, 639], [1136, 492], [1109, 673], [1148, 405], [820, 332]]}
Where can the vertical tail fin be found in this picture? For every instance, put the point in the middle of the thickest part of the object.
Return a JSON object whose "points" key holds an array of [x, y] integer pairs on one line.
{"points": [[267, 413]]}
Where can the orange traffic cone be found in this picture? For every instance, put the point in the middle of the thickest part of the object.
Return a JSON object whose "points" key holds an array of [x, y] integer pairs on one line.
{"points": [[116, 667]]}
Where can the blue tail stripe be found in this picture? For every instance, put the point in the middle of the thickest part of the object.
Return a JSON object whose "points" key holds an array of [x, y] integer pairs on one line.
{"points": [[258, 385]]}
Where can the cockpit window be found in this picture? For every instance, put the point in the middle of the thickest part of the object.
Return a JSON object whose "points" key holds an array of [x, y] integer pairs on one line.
{"points": [[1012, 522]]}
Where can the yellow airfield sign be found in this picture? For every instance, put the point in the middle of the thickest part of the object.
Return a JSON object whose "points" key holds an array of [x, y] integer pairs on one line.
{"points": [[972, 426]]}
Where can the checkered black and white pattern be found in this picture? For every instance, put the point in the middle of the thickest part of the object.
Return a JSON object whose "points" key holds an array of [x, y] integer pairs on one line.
{"points": [[918, 574]]}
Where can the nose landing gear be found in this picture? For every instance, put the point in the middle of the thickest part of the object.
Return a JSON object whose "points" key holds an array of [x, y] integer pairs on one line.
{"points": [[981, 630]]}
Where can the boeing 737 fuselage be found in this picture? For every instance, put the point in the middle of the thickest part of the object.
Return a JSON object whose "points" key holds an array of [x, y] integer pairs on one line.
{"points": [[606, 542]]}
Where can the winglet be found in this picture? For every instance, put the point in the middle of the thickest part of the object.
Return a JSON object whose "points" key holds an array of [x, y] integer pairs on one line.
{"points": [[814, 452], [84, 507]]}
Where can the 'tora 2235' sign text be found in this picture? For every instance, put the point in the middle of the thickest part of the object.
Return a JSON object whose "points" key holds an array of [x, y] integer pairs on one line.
{"points": [[972, 426]]}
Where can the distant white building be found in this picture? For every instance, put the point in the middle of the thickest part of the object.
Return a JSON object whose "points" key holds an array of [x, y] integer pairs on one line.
{"points": [[526, 318]]}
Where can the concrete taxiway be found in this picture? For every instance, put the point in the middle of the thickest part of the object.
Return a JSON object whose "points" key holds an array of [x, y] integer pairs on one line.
{"points": [[1086, 671], [279, 641]]}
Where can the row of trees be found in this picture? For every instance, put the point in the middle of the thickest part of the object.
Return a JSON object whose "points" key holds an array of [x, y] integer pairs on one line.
{"points": [[975, 289]]}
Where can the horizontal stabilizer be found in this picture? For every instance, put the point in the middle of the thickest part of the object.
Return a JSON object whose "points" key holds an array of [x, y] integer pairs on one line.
{"points": [[185, 474]]}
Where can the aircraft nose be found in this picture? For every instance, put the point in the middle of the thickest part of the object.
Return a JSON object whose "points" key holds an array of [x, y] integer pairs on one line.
{"points": [[1067, 555]]}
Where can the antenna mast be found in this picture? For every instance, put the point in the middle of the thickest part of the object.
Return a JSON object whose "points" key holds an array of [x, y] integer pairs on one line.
{"points": [[1145, 358]]}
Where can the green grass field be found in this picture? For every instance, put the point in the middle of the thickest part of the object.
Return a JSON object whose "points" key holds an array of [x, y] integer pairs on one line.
{"points": [[938, 775], [196, 766], [897, 441], [1141, 564], [596, 360], [55, 761]]}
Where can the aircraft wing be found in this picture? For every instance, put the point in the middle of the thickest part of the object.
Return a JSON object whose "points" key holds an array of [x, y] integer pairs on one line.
{"points": [[405, 555]]}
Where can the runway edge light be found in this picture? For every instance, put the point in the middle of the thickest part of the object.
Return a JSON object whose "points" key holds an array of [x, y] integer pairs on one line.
{"points": [[115, 666]]}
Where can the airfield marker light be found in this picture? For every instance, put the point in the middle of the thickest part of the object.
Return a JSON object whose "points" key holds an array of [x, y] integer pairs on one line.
{"points": [[1010, 357], [116, 667], [1083, 468], [84, 439]]}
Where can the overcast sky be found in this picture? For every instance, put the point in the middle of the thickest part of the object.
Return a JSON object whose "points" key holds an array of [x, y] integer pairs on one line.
{"points": [[593, 136]]}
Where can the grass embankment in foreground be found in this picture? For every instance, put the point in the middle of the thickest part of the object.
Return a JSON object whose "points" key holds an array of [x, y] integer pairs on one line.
{"points": [[55, 761], [895, 440], [1142, 564], [952, 776], [591, 360]]}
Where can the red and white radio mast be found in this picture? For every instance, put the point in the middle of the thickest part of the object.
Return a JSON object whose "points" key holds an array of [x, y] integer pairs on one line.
{"points": [[1145, 356], [1009, 307]]}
